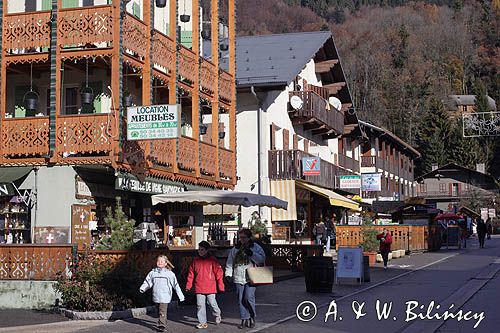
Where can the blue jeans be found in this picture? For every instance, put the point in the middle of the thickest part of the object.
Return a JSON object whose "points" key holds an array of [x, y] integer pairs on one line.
{"points": [[246, 300], [201, 300]]}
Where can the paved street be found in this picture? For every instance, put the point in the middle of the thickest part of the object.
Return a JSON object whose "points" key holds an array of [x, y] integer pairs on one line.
{"points": [[466, 278]]}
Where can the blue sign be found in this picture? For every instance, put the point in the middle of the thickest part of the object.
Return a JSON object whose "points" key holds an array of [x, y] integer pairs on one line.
{"points": [[311, 166]]}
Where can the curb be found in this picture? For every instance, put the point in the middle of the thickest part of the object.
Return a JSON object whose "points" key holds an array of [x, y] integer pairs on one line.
{"points": [[110, 315]]}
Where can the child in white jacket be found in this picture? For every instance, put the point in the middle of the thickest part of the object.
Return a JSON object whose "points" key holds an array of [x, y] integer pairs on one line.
{"points": [[163, 282]]}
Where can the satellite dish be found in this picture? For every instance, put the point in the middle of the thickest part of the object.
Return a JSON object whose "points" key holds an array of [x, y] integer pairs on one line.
{"points": [[335, 102], [296, 102]]}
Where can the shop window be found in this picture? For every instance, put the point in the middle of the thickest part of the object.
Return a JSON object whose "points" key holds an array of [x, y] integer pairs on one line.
{"points": [[15, 226], [180, 231]]}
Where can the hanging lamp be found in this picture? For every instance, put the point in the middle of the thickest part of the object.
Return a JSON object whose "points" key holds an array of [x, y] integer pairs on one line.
{"points": [[87, 94], [185, 17], [161, 3], [30, 99]]}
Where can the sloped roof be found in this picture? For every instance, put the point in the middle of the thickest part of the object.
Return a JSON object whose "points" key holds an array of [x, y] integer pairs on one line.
{"points": [[457, 100], [396, 139], [275, 59]]}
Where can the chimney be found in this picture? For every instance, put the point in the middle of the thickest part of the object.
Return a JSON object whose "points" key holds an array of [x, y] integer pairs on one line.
{"points": [[480, 167], [434, 167]]}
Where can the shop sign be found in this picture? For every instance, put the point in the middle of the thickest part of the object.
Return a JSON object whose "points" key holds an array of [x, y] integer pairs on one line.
{"points": [[484, 214], [311, 166], [349, 182], [153, 122], [125, 183], [370, 182], [51, 235], [80, 220]]}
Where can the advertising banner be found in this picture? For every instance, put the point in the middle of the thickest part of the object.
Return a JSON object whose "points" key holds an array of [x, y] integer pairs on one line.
{"points": [[153, 122], [350, 181], [370, 182]]}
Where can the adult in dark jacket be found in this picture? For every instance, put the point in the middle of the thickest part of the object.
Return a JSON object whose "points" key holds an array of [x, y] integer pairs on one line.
{"points": [[206, 274], [489, 228], [385, 239], [481, 232]]}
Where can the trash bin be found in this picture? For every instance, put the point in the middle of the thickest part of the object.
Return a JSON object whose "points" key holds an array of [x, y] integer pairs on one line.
{"points": [[318, 272]]}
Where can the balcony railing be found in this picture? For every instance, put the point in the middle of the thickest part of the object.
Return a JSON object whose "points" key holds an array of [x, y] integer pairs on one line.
{"points": [[226, 158], [209, 160], [349, 163], [368, 161], [314, 108], [287, 164], [25, 137], [163, 51], [25, 31], [208, 72], [225, 84]]}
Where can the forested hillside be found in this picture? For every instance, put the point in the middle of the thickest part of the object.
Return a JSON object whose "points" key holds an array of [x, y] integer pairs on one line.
{"points": [[402, 59]]}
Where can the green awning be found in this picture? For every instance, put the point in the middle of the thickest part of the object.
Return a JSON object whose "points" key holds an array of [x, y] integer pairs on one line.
{"points": [[10, 176]]}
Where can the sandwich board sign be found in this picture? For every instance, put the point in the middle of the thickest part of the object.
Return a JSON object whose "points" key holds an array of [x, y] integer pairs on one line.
{"points": [[349, 263], [153, 122]]}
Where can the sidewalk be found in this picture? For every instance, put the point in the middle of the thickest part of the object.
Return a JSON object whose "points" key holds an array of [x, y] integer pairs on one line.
{"points": [[274, 302]]}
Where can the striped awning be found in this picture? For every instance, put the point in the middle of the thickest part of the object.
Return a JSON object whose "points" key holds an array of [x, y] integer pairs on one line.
{"points": [[284, 190], [217, 209], [335, 198]]}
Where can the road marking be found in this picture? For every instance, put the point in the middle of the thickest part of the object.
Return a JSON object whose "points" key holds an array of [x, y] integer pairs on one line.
{"points": [[261, 328]]}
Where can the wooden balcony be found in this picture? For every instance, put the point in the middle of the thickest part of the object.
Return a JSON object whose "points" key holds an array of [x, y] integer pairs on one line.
{"points": [[315, 116], [287, 164], [368, 161], [349, 163]]}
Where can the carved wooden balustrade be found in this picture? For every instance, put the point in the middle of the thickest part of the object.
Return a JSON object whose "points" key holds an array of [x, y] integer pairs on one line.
{"points": [[162, 152], [208, 159], [163, 51], [24, 31], [81, 26], [289, 256], [187, 156], [187, 64], [135, 36], [34, 262], [226, 163], [404, 237], [84, 134], [28, 137], [225, 86], [208, 72]]}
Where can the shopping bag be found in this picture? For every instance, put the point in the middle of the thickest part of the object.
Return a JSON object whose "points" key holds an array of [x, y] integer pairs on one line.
{"points": [[260, 275]]}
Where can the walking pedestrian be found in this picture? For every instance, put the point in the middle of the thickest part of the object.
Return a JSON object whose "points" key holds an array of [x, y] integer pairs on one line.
{"points": [[244, 254], [206, 274], [319, 231], [481, 232], [385, 239], [462, 223], [330, 231], [489, 228], [163, 282]]}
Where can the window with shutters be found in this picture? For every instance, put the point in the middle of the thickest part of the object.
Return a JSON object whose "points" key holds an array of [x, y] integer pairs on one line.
{"points": [[443, 188]]}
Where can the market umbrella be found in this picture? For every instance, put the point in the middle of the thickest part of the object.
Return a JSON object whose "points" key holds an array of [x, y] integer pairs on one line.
{"points": [[220, 197]]}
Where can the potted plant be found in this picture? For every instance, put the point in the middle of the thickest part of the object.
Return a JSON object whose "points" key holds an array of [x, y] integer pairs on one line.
{"points": [[370, 243]]}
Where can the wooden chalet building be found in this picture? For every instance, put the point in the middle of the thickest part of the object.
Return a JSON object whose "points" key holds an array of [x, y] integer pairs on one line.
{"points": [[64, 153]]}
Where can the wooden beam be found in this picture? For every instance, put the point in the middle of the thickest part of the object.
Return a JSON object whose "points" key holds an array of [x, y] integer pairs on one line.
{"points": [[326, 66], [215, 59], [195, 101], [333, 88], [232, 71]]}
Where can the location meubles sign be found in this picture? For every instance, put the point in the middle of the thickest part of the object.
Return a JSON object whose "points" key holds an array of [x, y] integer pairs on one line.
{"points": [[153, 122]]}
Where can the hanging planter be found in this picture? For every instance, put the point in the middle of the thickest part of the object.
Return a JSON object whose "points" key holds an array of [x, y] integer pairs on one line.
{"points": [[203, 129], [222, 135], [128, 99], [87, 95], [185, 18], [161, 3], [30, 100], [224, 47]]}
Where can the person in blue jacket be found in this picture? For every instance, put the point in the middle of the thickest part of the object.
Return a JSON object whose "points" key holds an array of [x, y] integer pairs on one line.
{"points": [[163, 282]]}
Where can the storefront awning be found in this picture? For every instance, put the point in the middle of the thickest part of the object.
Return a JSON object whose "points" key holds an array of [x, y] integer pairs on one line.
{"points": [[335, 198], [217, 209], [11, 175], [284, 190]]}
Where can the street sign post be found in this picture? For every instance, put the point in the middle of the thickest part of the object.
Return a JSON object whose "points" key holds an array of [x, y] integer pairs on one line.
{"points": [[311, 166]]}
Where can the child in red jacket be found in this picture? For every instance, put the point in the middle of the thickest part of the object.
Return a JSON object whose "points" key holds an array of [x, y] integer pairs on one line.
{"points": [[206, 274], [385, 239]]}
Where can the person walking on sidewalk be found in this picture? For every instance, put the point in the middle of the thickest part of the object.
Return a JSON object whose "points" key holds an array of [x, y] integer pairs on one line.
{"points": [[244, 254], [489, 228], [385, 239], [481, 232], [206, 274], [163, 282], [319, 231]]}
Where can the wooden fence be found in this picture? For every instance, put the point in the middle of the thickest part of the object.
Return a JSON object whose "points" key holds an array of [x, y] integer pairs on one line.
{"points": [[44, 262], [34, 262], [404, 237]]}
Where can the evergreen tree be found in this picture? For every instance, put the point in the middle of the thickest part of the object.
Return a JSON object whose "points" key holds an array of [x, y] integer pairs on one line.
{"points": [[122, 229], [464, 151], [433, 136], [481, 102]]}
